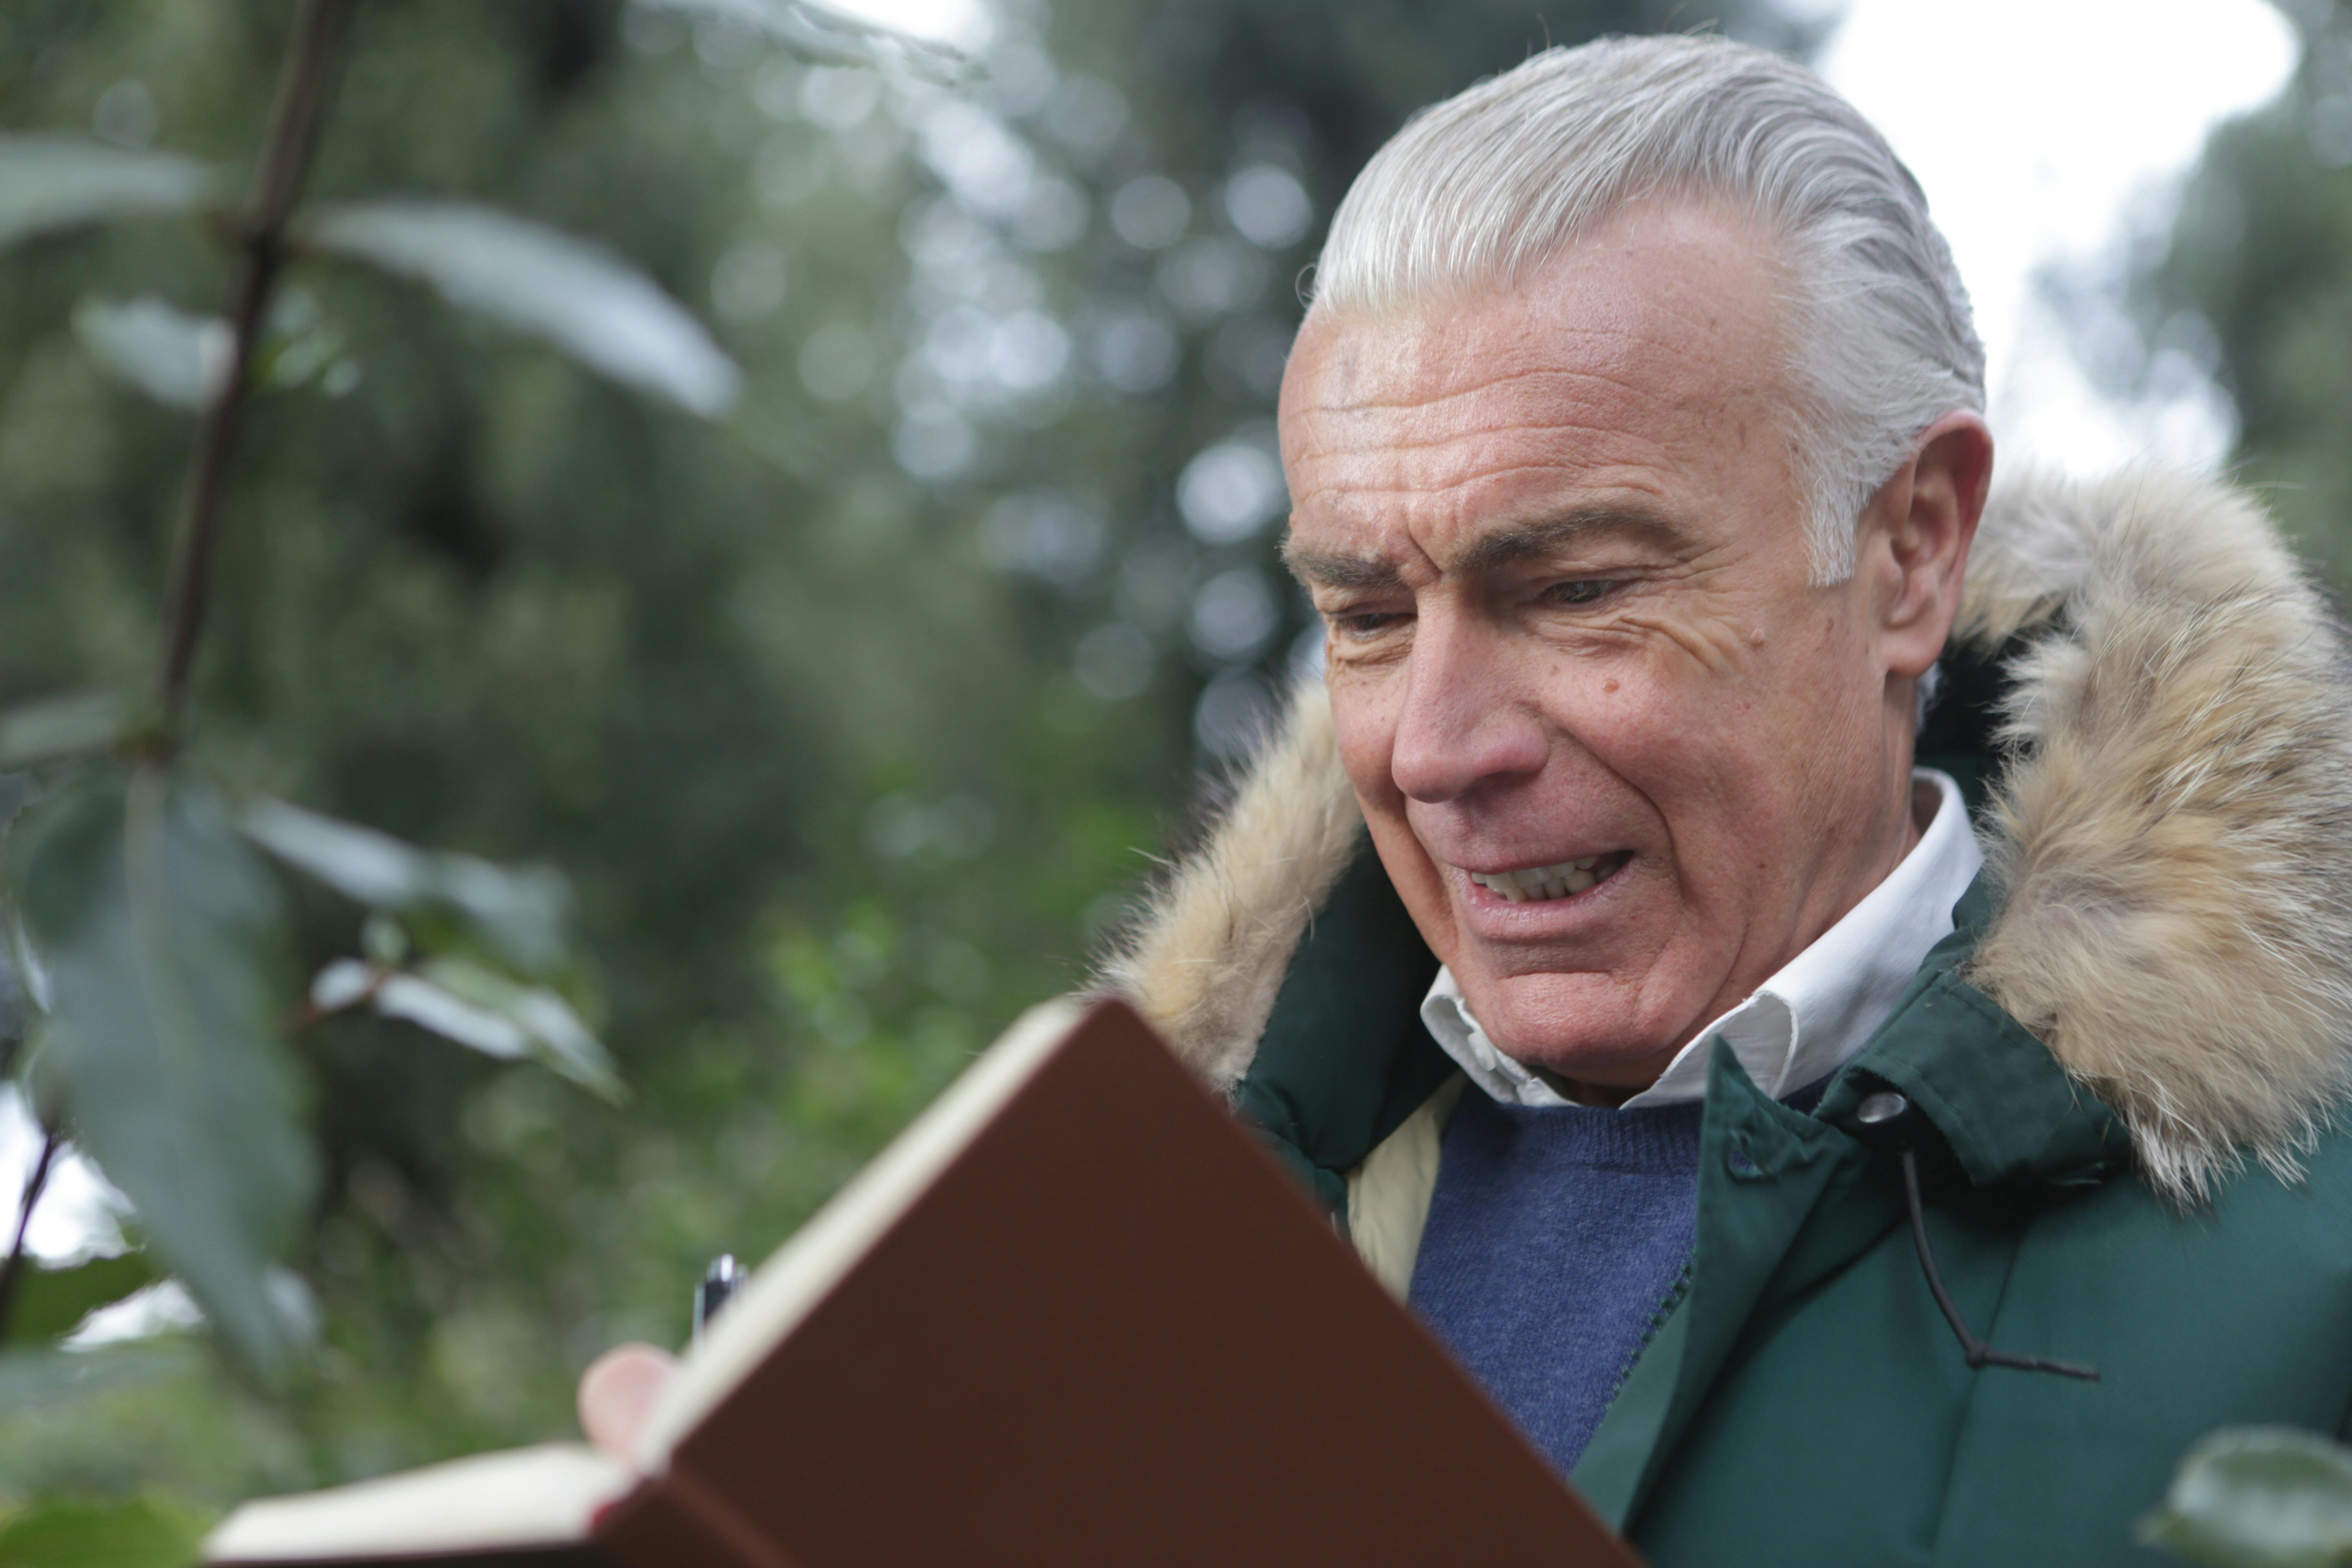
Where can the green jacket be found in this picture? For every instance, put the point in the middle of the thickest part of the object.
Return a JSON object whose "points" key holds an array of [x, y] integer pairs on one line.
{"points": [[2128, 1053]]}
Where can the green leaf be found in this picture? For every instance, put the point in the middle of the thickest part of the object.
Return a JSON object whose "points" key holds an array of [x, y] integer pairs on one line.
{"points": [[157, 927], [480, 1008], [596, 308], [833, 34], [50, 1303], [429, 1007], [382, 941], [520, 912], [133, 1532], [18, 1010], [344, 982], [52, 182], [2258, 1497], [157, 348], [54, 727]]}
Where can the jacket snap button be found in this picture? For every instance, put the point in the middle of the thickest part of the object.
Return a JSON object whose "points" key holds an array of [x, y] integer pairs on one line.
{"points": [[1881, 1109], [1886, 1121]]}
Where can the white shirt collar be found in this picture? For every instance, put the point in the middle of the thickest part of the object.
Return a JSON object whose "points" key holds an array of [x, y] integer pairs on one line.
{"points": [[1807, 1020]]}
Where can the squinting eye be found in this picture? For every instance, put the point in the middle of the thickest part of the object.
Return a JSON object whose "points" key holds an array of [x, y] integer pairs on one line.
{"points": [[1583, 591], [1367, 623]]}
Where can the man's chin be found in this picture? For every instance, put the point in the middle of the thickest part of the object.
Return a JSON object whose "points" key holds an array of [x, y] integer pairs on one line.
{"points": [[1587, 1027]]}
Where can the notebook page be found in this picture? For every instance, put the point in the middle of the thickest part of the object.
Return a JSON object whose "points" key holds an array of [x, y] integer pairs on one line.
{"points": [[524, 1497]]}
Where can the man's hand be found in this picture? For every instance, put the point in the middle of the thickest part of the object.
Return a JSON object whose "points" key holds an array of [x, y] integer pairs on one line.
{"points": [[617, 1392]]}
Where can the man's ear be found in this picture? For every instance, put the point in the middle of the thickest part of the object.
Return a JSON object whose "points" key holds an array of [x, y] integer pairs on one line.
{"points": [[1927, 516]]}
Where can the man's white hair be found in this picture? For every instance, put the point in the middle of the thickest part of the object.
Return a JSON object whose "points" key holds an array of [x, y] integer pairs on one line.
{"points": [[1479, 191]]}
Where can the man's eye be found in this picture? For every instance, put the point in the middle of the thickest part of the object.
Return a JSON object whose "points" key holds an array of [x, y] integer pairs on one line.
{"points": [[1366, 623], [1583, 591]]}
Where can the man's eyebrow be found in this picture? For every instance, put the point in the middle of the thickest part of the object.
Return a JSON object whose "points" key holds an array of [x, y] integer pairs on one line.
{"points": [[1515, 543], [1510, 546], [1330, 569]]}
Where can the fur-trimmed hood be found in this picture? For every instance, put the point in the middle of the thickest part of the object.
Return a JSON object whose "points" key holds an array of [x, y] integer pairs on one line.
{"points": [[2169, 840]]}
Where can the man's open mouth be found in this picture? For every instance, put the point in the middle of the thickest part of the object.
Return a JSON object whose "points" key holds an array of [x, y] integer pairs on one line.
{"points": [[1569, 878]]}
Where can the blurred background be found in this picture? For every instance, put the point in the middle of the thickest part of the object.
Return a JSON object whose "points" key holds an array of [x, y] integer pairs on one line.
{"points": [[857, 717]]}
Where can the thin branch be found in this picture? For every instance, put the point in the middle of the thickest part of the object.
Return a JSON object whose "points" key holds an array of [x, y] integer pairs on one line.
{"points": [[302, 87], [12, 1269]]}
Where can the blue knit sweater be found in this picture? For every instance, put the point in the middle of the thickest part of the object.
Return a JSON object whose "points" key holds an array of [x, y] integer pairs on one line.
{"points": [[1555, 1235]]}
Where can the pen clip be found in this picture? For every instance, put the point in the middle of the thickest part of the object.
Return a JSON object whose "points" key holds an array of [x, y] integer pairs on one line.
{"points": [[719, 1281]]}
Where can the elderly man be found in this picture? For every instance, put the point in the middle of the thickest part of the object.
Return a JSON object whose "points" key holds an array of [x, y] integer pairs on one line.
{"points": [[1838, 1021]]}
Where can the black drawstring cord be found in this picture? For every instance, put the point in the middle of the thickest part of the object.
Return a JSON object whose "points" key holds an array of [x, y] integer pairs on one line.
{"points": [[1885, 1120]]}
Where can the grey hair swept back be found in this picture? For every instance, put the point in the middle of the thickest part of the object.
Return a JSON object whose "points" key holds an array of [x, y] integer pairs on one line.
{"points": [[1482, 189]]}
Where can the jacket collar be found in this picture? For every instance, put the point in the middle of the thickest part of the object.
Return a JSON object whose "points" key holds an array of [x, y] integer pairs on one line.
{"points": [[2154, 704], [2005, 1109]]}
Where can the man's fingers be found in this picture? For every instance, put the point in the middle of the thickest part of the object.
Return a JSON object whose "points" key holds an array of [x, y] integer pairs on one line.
{"points": [[617, 1390]]}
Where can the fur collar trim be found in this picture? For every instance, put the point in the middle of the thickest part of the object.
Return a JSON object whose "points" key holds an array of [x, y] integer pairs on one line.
{"points": [[2169, 840]]}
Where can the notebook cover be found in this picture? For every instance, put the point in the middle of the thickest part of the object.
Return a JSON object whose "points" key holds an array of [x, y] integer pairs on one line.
{"points": [[1114, 1332]]}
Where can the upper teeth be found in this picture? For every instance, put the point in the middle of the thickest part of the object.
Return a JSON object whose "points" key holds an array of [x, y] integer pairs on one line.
{"points": [[1540, 881]]}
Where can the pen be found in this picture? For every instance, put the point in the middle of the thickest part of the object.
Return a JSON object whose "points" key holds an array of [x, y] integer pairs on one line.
{"points": [[719, 1282]]}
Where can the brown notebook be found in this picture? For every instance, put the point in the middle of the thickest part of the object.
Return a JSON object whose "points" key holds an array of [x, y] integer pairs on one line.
{"points": [[1072, 1316]]}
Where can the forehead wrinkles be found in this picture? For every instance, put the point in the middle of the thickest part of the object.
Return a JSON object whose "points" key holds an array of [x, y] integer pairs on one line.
{"points": [[1542, 421], [1468, 366], [1416, 409], [1647, 362], [1488, 441]]}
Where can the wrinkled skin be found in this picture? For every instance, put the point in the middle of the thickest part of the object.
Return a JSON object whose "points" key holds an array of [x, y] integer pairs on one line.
{"points": [[1556, 539]]}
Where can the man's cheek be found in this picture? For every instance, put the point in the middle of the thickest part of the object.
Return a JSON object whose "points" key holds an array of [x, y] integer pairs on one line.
{"points": [[1419, 882], [1656, 730], [1363, 726], [1367, 766]]}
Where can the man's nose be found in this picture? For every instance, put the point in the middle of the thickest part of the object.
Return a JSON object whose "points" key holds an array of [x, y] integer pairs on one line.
{"points": [[1463, 724]]}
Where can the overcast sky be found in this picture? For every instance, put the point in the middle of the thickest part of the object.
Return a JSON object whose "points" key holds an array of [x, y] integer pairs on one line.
{"points": [[2040, 128]]}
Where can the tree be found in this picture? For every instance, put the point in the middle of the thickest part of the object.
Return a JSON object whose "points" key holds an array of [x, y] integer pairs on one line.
{"points": [[849, 716], [2254, 278]]}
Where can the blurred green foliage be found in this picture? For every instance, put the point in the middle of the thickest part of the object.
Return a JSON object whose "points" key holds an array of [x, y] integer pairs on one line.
{"points": [[142, 1531], [2258, 1497], [851, 718], [2254, 279]]}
